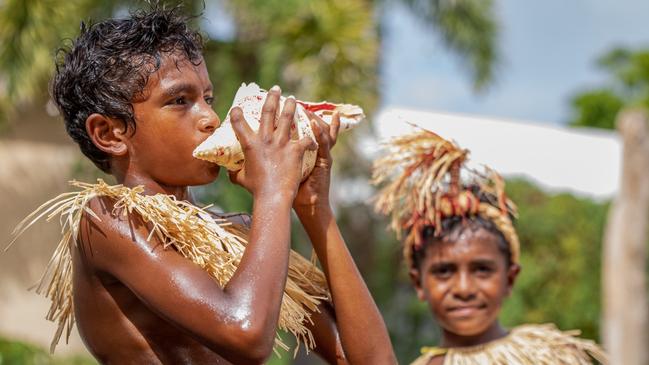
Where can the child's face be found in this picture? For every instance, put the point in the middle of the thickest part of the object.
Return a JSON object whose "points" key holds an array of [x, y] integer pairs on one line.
{"points": [[174, 116], [464, 281]]}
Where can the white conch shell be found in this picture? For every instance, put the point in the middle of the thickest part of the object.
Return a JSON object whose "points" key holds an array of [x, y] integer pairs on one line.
{"points": [[223, 148]]}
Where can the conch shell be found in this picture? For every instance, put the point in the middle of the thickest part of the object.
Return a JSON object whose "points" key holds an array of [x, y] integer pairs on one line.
{"points": [[223, 148]]}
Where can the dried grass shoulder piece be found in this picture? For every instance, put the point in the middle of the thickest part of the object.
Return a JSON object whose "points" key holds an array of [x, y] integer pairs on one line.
{"points": [[427, 180], [525, 345], [213, 244]]}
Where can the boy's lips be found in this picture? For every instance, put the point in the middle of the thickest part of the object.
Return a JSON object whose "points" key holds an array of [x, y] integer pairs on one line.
{"points": [[465, 310]]}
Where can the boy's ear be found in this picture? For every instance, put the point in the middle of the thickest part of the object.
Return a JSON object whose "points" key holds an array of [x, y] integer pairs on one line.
{"points": [[108, 134], [415, 277], [512, 274]]}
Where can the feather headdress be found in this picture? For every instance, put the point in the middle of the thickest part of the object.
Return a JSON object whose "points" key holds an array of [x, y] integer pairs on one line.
{"points": [[427, 180]]}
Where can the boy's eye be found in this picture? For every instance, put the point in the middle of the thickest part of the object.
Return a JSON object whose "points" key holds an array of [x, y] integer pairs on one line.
{"points": [[484, 270], [178, 101], [442, 272]]}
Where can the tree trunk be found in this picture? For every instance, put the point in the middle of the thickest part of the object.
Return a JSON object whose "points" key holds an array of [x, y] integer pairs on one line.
{"points": [[626, 312]]}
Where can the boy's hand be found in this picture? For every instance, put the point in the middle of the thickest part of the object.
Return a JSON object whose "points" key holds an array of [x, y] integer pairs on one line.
{"points": [[273, 162], [313, 193]]}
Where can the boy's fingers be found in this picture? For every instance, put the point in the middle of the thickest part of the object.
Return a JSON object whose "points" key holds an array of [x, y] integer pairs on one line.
{"points": [[240, 126], [307, 144], [331, 130], [237, 177], [324, 144], [312, 115], [269, 112], [286, 119], [335, 128], [233, 176], [317, 132]]}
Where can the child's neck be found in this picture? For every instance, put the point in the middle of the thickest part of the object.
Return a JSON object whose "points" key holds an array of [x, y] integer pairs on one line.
{"points": [[152, 187], [494, 332]]}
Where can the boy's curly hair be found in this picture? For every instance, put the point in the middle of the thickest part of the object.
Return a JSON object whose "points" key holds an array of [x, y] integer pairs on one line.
{"points": [[107, 66]]}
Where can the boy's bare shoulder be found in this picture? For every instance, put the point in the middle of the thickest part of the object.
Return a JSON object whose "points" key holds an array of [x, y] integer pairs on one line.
{"points": [[100, 214], [107, 235], [102, 206]]}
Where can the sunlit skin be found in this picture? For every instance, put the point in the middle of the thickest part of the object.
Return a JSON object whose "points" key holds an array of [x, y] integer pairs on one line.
{"points": [[137, 303], [465, 278]]}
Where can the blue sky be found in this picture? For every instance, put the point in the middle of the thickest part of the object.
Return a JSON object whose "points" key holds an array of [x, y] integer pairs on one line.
{"points": [[548, 51]]}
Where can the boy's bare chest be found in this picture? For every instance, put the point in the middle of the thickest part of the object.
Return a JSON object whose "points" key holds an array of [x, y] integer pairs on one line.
{"points": [[117, 327]]}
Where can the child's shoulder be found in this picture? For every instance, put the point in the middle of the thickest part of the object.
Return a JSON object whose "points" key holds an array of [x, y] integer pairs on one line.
{"points": [[104, 213], [108, 232], [100, 205]]}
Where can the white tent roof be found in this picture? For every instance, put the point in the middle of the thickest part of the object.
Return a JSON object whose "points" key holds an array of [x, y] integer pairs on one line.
{"points": [[578, 160]]}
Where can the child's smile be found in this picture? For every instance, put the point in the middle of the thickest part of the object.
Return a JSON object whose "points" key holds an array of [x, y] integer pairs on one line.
{"points": [[464, 278], [465, 311]]}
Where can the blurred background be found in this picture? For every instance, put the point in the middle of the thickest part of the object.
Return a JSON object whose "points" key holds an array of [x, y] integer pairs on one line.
{"points": [[532, 88]]}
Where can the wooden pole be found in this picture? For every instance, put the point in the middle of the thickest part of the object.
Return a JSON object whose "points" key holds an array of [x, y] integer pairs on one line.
{"points": [[626, 310]]}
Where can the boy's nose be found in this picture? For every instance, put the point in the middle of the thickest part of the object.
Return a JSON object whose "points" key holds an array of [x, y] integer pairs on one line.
{"points": [[209, 123], [464, 287]]}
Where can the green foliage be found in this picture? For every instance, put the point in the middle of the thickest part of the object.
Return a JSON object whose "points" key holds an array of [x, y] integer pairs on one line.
{"points": [[30, 33], [19, 353], [561, 242], [596, 108], [315, 50], [628, 86]]}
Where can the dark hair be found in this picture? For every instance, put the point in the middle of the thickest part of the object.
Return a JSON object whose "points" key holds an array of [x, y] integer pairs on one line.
{"points": [[107, 67], [454, 226]]}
